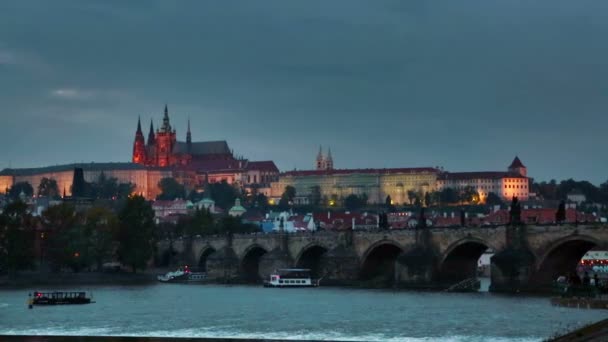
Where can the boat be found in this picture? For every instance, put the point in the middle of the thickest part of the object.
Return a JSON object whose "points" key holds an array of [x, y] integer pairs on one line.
{"points": [[59, 298], [291, 277], [182, 275]]}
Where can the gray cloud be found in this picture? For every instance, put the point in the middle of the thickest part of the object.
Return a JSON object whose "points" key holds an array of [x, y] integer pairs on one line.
{"points": [[466, 85]]}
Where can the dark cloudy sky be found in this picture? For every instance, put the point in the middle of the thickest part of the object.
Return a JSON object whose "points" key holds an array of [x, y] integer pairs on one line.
{"points": [[461, 84]]}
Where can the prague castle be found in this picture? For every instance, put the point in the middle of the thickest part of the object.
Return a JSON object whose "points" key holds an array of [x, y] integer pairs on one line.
{"points": [[195, 164], [191, 163]]}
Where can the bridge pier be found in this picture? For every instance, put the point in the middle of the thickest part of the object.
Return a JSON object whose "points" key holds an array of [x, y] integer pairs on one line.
{"points": [[340, 266], [223, 265], [511, 270], [275, 259], [416, 268]]}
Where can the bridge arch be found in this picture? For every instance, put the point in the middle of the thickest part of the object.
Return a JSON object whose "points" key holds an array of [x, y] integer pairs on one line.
{"points": [[202, 259], [459, 261], [250, 263], [561, 258], [378, 262], [310, 257]]}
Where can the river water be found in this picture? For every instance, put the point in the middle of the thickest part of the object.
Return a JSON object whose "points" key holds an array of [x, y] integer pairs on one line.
{"points": [[182, 310]]}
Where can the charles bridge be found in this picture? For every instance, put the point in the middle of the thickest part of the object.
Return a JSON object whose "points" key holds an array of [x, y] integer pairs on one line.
{"points": [[527, 258]]}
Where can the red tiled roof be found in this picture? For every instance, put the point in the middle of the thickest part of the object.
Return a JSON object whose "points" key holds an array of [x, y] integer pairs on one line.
{"points": [[265, 165], [516, 163], [363, 171], [478, 175]]}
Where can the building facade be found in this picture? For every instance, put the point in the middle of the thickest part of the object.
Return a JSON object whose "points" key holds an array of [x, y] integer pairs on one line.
{"points": [[376, 184], [505, 184]]}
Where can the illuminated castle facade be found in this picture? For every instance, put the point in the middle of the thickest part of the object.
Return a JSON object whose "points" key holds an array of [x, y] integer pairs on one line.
{"points": [[163, 149]]}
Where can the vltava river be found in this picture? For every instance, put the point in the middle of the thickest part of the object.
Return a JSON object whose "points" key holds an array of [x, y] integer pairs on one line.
{"points": [[181, 310]]}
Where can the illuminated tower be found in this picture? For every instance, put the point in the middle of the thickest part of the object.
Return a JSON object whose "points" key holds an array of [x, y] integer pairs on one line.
{"points": [[151, 139], [139, 146], [329, 161], [320, 160], [165, 141], [518, 167]]}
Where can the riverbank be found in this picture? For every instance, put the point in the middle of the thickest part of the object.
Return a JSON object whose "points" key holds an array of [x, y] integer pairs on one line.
{"points": [[597, 332]]}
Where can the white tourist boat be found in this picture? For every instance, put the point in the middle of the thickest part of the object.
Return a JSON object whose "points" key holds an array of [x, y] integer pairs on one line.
{"points": [[182, 274], [291, 277]]}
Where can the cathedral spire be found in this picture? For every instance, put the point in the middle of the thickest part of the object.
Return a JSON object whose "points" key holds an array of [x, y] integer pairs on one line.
{"points": [[138, 124], [189, 135], [151, 139], [320, 159], [166, 125], [329, 161]]}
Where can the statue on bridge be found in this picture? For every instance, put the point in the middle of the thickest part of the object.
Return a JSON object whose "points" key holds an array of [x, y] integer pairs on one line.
{"points": [[515, 212]]}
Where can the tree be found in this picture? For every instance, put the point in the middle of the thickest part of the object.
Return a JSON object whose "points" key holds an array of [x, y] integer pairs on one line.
{"points": [[170, 189], [428, 199], [136, 234], [100, 226], [289, 194], [109, 188], [222, 193], [233, 225], [469, 195], [60, 224], [20, 187], [48, 188], [17, 235], [315, 195], [448, 196], [354, 202], [388, 203], [411, 196], [493, 199]]}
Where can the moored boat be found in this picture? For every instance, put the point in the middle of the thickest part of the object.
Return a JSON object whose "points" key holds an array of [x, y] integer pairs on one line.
{"points": [[291, 277], [182, 274], [59, 298]]}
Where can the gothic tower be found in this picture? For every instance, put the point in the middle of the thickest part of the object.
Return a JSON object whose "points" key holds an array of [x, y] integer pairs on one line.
{"points": [[518, 167], [151, 139], [320, 165], [329, 161], [189, 137], [165, 141], [139, 146]]}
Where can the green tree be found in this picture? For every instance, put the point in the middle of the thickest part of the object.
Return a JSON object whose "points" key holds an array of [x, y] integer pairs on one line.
{"points": [[493, 199], [60, 223], [448, 196], [19, 187], [48, 188], [289, 194], [233, 225], [222, 193], [469, 195], [560, 215], [354, 202], [170, 189], [136, 234], [412, 196], [17, 235], [315, 195], [100, 226]]}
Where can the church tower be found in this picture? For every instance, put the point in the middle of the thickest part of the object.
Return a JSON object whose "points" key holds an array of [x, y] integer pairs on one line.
{"points": [[151, 138], [189, 137], [320, 164], [165, 141], [518, 167], [139, 146], [329, 161]]}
